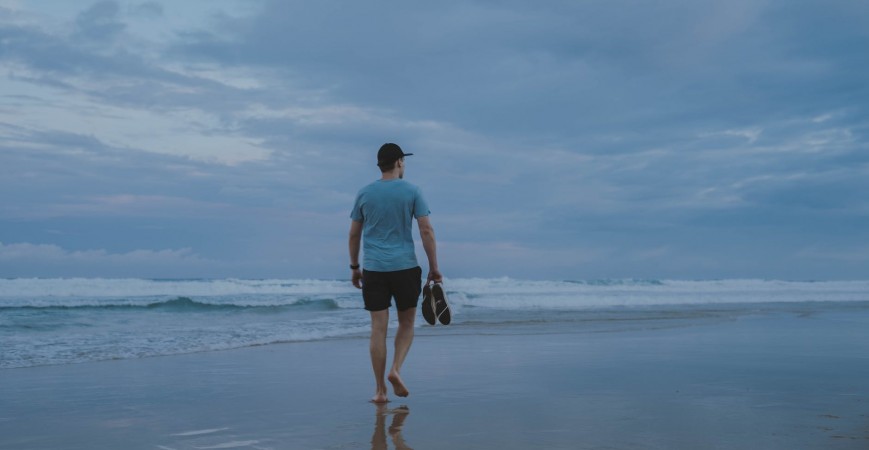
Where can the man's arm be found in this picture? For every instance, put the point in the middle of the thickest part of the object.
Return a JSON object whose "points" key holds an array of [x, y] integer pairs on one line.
{"points": [[355, 244], [426, 233]]}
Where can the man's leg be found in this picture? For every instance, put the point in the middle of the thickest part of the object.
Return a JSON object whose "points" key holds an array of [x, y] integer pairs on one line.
{"points": [[403, 340], [377, 347]]}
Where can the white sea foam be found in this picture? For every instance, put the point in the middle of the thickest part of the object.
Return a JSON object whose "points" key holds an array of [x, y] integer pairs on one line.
{"points": [[135, 287], [495, 293], [233, 444], [505, 293], [200, 432], [62, 321]]}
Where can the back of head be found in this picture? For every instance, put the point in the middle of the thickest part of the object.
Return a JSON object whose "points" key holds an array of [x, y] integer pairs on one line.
{"points": [[388, 154]]}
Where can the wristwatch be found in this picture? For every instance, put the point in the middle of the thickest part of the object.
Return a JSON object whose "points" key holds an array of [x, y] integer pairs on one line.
{"points": [[354, 266]]}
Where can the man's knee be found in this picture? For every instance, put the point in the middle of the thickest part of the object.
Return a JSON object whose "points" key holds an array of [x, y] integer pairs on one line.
{"points": [[379, 320], [407, 317]]}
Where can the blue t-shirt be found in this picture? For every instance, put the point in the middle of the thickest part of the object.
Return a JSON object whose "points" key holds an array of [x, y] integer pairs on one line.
{"points": [[386, 209]]}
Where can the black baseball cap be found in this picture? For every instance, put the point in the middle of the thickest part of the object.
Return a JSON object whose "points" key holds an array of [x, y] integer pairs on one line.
{"points": [[390, 153]]}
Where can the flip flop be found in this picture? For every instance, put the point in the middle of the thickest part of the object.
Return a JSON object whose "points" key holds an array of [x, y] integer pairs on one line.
{"points": [[428, 307], [442, 309]]}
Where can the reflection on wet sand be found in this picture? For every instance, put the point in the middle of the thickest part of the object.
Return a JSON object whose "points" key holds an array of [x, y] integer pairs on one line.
{"points": [[378, 440]]}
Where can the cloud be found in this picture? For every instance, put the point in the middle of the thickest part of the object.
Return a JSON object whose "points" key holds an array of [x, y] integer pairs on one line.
{"points": [[551, 69], [100, 21], [856, 254], [52, 253], [688, 144], [20, 259], [150, 9], [751, 134]]}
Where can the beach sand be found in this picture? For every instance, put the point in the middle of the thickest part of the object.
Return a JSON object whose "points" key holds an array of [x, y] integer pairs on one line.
{"points": [[769, 381]]}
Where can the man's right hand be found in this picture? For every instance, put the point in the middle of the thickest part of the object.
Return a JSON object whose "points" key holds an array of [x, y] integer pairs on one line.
{"points": [[434, 275]]}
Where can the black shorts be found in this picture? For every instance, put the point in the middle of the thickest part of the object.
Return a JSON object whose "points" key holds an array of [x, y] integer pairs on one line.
{"points": [[378, 288]]}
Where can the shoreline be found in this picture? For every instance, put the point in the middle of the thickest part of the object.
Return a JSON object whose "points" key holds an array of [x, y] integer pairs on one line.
{"points": [[771, 381]]}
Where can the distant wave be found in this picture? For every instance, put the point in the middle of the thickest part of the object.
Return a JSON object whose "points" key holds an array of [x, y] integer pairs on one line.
{"points": [[137, 287], [499, 293], [511, 294], [618, 282], [181, 304], [62, 321]]}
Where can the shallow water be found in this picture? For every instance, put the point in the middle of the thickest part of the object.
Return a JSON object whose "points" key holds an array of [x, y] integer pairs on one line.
{"points": [[773, 379]]}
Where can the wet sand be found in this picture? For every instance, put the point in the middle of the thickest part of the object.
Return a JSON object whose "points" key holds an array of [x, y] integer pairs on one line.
{"points": [[773, 381]]}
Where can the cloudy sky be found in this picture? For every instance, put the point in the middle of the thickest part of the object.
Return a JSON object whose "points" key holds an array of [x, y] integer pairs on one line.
{"points": [[687, 139]]}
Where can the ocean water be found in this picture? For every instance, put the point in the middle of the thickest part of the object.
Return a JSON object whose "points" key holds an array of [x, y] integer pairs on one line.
{"points": [[68, 321]]}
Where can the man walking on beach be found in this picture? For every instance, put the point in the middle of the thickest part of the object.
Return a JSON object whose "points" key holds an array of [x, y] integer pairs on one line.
{"points": [[382, 219]]}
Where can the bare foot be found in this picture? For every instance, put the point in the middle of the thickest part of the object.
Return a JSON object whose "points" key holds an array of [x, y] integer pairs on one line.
{"points": [[397, 385], [380, 396]]}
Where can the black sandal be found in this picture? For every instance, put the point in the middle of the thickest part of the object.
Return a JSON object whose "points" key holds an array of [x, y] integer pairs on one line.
{"points": [[428, 307], [442, 309]]}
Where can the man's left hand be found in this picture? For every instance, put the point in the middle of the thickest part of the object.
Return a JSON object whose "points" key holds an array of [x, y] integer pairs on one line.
{"points": [[357, 278]]}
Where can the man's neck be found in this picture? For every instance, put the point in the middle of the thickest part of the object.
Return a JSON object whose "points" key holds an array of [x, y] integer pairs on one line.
{"points": [[391, 175]]}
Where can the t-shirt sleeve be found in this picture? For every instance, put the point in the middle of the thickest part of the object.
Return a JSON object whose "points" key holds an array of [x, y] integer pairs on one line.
{"points": [[420, 206], [356, 213]]}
